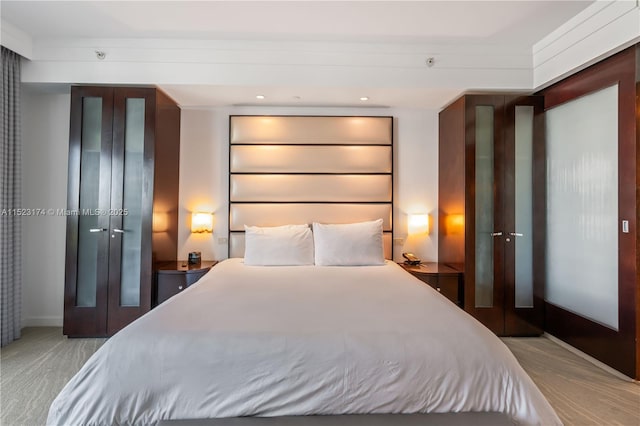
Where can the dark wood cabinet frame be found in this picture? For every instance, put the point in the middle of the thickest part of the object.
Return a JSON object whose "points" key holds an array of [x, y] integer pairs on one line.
{"points": [[78, 320], [456, 196], [525, 321], [159, 194], [492, 317]]}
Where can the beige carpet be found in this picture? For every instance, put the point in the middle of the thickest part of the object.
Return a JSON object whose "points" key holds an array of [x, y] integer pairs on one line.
{"points": [[35, 368]]}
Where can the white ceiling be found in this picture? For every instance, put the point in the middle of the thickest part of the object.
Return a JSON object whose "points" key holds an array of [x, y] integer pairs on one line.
{"points": [[510, 22], [497, 23]]}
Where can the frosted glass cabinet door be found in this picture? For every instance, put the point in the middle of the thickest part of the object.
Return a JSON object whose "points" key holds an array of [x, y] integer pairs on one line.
{"points": [[484, 252], [523, 216], [87, 245], [91, 231], [522, 234], [120, 137], [131, 204], [484, 208], [507, 141]]}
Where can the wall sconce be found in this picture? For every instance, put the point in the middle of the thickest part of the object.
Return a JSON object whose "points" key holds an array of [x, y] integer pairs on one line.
{"points": [[202, 223], [418, 224]]}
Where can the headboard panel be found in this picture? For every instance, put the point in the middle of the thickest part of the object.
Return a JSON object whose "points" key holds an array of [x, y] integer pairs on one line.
{"points": [[276, 214], [310, 188], [303, 169], [310, 159], [308, 130]]}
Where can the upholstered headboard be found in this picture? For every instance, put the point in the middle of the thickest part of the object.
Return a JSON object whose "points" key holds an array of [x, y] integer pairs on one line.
{"points": [[303, 169]]}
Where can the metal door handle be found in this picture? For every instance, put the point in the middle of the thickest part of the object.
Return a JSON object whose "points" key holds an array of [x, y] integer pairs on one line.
{"points": [[119, 231], [515, 234], [496, 234], [97, 230]]}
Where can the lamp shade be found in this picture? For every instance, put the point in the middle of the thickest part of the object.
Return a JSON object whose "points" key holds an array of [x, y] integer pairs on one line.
{"points": [[418, 224], [201, 222]]}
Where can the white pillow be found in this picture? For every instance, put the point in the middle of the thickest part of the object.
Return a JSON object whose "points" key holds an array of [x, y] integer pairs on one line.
{"points": [[352, 244], [278, 245]]}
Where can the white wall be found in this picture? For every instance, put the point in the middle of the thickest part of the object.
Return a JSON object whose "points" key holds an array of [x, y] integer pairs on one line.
{"points": [[204, 164], [416, 180], [203, 180], [45, 150]]}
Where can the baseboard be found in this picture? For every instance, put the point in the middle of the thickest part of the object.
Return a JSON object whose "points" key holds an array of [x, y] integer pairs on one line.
{"points": [[42, 322], [587, 357]]}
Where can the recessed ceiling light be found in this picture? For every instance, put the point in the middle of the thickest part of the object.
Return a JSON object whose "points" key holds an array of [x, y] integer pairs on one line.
{"points": [[259, 96], [364, 98]]}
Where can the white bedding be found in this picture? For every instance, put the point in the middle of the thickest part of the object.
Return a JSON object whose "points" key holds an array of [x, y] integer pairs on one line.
{"points": [[275, 341]]}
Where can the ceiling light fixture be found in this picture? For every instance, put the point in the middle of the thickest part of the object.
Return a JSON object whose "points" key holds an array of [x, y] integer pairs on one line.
{"points": [[364, 98], [260, 96]]}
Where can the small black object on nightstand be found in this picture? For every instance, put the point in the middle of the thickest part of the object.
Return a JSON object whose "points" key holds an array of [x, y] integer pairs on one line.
{"points": [[195, 258]]}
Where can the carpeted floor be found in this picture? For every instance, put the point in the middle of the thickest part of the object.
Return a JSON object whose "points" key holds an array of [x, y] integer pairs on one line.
{"points": [[35, 368]]}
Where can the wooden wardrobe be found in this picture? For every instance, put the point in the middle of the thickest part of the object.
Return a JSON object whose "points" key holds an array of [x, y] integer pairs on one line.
{"points": [[124, 151], [491, 207]]}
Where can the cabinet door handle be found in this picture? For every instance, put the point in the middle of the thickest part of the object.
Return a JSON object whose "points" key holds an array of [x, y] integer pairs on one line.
{"points": [[180, 287], [515, 234], [97, 229], [496, 234], [119, 231]]}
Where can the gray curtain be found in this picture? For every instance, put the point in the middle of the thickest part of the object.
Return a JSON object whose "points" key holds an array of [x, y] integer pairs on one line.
{"points": [[10, 194]]}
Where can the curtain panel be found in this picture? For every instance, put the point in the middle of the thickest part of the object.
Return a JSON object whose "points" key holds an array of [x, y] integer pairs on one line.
{"points": [[10, 194]]}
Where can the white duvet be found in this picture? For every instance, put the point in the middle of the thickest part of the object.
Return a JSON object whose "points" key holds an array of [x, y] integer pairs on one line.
{"points": [[275, 341]]}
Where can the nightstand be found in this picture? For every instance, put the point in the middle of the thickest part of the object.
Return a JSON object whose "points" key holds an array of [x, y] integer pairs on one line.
{"points": [[443, 278], [174, 276]]}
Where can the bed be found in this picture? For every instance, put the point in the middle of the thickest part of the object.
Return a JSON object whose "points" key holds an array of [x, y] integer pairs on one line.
{"points": [[250, 344], [300, 340]]}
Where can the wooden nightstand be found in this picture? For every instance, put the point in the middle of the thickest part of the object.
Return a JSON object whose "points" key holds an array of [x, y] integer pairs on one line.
{"points": [[174, 276], [443, 278]]}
